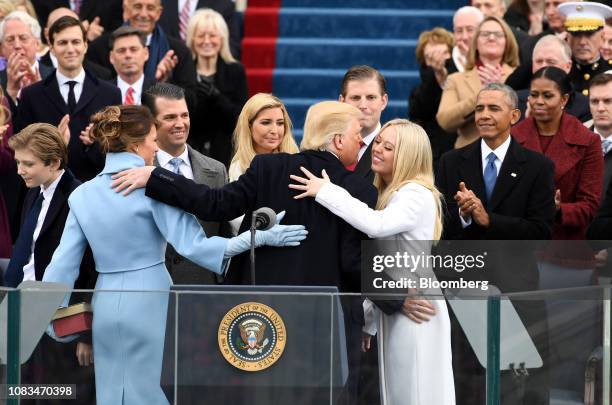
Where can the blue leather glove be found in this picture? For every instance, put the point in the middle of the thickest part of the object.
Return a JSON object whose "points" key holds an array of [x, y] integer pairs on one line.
{"points": [[278, 235]]}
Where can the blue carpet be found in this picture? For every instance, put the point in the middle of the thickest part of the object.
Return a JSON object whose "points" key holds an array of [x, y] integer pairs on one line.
{"points": [[320, 39]]}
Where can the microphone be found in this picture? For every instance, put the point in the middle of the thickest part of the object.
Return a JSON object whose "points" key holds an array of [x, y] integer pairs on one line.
{"points": [[264, 218]]}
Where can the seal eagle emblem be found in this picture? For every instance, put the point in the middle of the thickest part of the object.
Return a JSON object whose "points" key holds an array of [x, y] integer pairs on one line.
{"points": [[252, 336]]}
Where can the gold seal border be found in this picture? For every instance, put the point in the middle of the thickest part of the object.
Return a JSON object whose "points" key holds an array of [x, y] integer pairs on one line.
{"points": [[273, 317]]}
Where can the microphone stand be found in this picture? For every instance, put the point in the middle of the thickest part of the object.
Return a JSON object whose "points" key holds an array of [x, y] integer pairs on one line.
{"points": [[252, 258]]}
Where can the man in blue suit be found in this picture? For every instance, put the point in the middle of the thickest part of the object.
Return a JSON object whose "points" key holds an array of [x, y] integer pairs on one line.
{"points": [[68, 97]]}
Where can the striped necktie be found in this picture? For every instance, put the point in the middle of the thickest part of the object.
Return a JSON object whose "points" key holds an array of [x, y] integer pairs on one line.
{"points": [[129, 96], [184, 19]]}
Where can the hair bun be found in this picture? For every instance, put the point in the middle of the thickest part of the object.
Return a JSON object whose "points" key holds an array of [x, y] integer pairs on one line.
{"points": [[106, 126]]}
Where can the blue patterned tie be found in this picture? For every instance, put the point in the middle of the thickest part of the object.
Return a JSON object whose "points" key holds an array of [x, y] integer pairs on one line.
{"points": [[23, 246], [490, 175], [176, 164], [606, 145]]}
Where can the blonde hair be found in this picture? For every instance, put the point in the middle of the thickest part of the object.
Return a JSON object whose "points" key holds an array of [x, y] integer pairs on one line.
{"points": [[206, 17], [511, 53], [324, 120], [6, 7], [44, 141], [437, 35], [412, 163], [244, 151]]}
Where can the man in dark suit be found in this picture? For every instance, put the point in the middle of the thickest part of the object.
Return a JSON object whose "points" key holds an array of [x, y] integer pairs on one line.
{"points": [[50, 60], [69, 97], [108, 12], [20, 35], [167, 103], [365, 88], [169, 59], [497, 190], [331, 253], [41, 156], [171, 18], [128, 56]]}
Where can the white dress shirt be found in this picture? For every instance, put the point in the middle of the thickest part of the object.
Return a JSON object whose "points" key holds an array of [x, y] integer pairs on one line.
{"points": [[64, 88], [367, 140], [500, 154], [185, 168], [137, 86], [459, 59], [28, 270]]}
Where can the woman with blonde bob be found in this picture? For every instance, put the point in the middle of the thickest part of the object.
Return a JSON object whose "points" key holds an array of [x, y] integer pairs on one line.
{"points": [[222, 86], [493, 56], [414, 343], [263, 126]]}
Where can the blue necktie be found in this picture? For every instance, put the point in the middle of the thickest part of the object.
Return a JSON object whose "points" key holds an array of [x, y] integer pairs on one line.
{"points": [[606, 145], [23, 246], [176, 164], [490, 175]]}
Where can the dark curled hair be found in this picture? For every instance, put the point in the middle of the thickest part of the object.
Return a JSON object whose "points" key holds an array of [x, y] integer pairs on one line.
{"points": [[118, 127]]}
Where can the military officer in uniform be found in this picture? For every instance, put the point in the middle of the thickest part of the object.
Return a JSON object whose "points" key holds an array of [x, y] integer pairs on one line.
{"points": [[584, 23]]}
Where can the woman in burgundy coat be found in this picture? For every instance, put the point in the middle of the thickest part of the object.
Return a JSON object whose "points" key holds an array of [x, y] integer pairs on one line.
{"points": [[575, 150]]}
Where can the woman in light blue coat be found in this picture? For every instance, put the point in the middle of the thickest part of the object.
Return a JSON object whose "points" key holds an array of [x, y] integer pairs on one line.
{"points": [[128, 235]]}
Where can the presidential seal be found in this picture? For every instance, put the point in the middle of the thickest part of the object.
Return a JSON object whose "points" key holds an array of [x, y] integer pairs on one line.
{"points": [[252, 336]]}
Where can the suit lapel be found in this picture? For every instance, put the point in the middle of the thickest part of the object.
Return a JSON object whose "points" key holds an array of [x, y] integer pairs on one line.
{"points": [[57, 202], [365, 163], [471, 170], [202, 172], [88, 93], [51, 90], [509, 173]]}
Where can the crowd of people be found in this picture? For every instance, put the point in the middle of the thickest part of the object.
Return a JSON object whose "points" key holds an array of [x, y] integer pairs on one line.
{"points": [[136, 114]]}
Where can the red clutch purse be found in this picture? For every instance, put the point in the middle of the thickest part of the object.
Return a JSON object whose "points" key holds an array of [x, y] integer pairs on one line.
{"points": [[73, 319]]}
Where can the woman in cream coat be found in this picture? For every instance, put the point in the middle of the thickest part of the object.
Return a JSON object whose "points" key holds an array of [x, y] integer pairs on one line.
{"points": [[493, 56], [414, 344], [128, 235]]}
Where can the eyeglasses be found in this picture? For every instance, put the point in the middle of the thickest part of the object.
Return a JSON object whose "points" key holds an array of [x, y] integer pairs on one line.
{"points": [[487, 34]]}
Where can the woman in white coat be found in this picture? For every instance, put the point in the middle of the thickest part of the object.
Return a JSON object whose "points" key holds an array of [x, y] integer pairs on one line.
{"points": [[414, 344]]}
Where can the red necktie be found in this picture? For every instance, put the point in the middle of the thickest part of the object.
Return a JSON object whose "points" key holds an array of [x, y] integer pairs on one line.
{"points": [[184, 19], [129, 96]]}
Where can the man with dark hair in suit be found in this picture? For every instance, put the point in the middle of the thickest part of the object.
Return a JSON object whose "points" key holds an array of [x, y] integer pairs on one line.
{"points": [[495, 189], [169, 59], [365, 88], [50, 60], [128, 56], [167, 103], [69, 97]]}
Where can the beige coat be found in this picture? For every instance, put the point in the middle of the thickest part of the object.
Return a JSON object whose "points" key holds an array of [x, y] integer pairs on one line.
{"points": [[456, 111]]}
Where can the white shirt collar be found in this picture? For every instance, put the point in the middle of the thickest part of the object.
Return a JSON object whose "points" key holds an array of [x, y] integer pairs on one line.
{"points": [[367, 140], [137, 86], [164, 157], [61, 79], [500, 152], [149, 37], [459, 59], [600, 135], [53, 59], [48, 192]]}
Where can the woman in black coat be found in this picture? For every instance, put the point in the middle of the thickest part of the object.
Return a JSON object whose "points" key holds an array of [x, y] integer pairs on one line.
{"points": [[221, 89]]}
